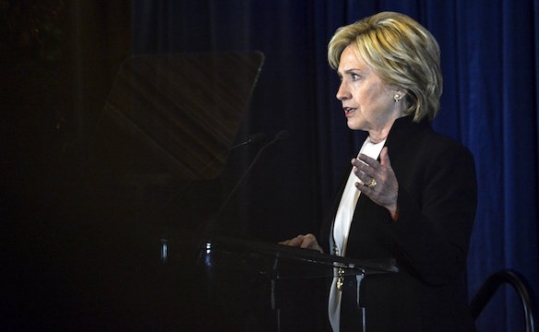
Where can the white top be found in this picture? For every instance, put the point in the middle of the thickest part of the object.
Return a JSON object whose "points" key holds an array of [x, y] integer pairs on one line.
{"points": [[341, 229]]}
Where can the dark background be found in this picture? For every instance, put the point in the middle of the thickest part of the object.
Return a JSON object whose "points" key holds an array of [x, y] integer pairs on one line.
{"points": [[81, 250]]}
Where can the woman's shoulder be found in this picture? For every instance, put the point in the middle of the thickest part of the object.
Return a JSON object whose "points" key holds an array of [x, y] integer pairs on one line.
{"points": [[421, 137]]}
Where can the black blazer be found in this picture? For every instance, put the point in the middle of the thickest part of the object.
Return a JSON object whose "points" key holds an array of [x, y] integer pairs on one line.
{"points": [[437, 202]]}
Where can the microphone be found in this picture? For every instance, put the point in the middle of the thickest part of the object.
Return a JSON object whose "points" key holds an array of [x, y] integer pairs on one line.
{"points": [[281, 135], [251, 140], [255, 138]]}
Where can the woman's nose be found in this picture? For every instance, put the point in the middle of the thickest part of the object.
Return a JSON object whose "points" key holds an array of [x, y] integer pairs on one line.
{"points": [[343, 93]]}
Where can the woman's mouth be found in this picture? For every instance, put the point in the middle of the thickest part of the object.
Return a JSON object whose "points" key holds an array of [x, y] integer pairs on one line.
{"points": [[348, 111]]}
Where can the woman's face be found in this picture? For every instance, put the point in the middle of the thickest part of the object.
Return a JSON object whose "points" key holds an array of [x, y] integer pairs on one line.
{"points": [[368, 102]]}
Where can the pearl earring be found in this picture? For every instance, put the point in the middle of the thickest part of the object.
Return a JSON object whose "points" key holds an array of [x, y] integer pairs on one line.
{"points": [[397, 97]]}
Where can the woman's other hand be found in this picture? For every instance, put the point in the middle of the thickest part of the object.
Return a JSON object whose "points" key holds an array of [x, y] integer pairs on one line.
{"points": [[307, 241]]}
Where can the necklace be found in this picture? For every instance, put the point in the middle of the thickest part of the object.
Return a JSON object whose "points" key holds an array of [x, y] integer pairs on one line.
{"points": [[340, 270]]}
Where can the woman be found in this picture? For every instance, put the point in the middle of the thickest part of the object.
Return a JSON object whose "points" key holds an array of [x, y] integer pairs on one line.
{"points": [[410, 194]]}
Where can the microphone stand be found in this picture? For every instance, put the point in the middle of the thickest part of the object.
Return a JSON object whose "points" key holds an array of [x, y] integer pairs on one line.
{"points": [[211, 223]]}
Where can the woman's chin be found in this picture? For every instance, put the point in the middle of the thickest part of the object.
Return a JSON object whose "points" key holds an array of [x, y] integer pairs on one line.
{"points": [[355, 125]]}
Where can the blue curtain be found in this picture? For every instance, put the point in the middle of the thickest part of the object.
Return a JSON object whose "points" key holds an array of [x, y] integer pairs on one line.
{"points": [[490, 61]]}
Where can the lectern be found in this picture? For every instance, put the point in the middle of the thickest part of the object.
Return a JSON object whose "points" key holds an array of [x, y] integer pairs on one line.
{"points": [[258, 268]]}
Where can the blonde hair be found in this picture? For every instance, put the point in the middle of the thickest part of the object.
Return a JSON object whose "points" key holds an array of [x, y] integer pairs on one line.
{"points": [[402, 52]]}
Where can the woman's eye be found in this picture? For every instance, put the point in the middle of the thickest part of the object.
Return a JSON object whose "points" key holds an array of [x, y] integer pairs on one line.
{"points": [[355, 77]]}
